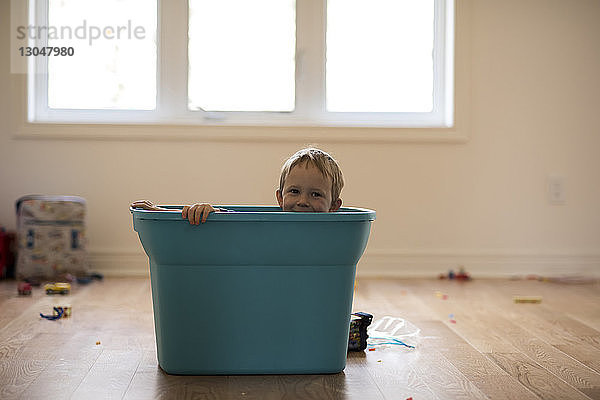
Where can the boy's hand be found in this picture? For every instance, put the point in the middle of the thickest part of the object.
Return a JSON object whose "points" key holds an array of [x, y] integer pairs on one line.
{"points": [[197, 212], [146, 205]]}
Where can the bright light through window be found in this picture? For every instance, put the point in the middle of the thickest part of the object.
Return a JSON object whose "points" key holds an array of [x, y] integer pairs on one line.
{"points": [[114, 61], [362, 63], [379, 55], [242, 55]]}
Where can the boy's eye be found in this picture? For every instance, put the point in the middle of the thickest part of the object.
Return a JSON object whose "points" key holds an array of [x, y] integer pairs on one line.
{"points": [[316, 194], [293, 191]]}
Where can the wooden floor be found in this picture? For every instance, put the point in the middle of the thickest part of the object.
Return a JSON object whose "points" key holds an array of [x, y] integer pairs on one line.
{"points": [[495, 349]]}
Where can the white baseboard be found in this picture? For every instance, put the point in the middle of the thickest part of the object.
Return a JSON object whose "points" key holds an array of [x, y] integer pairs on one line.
{"points": [[408, 264], [484, 264], [119, 263]]}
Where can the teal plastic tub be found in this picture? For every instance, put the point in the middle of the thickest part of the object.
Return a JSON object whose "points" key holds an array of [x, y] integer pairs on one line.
{"points": [[257, 291]]}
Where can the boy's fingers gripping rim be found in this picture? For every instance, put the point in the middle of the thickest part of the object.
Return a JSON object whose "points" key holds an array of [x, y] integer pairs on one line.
{"points": [[146, 205], [200, 214], [192, 215], [197, 213], [195, 217], [205, 211]]}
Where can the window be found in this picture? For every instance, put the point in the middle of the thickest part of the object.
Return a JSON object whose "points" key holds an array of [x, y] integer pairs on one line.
{"points": [[238, 63], [114, 73], [379, 57], [241, 62]]}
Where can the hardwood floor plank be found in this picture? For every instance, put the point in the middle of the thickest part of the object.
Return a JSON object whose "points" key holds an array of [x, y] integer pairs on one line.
{"points": [[536, 378], [444, 379], [13, 305], [503, 387], [561, 312], [485, 374], [158, 385], [584, 353], [358, 383], [463, 311], [314, 387], [390, 297], [553, 328], [392, 371], [560, 364], [578, 301], [59, 379], [109, 376], [17, 375], [568, 369]]}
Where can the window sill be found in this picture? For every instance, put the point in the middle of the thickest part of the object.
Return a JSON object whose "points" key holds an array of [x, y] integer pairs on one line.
{"points": [[164, 132]]}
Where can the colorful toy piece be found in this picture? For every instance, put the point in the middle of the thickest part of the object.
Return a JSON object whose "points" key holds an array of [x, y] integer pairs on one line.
{"points": [[58, 287], [24, 289], [527, 299], [462, 275], [64, 312], [358, 331], [58, 313]]}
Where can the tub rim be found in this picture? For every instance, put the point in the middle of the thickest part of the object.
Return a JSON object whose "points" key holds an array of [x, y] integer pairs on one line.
{"points": [[259, 213]]}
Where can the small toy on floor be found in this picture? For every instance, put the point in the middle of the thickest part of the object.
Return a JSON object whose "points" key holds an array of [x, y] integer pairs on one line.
{"points": [[358, 331], [84, 280], [58, 313], [462, 275], [96, 275], [66, 311], [527, 299], [441, 295], [58, 287], [24, 288]]}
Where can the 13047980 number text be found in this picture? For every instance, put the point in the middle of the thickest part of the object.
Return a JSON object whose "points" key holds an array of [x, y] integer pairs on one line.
{"points": [[46, 51]]}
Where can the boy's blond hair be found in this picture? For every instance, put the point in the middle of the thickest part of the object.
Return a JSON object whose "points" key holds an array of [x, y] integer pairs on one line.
{"points": [[324, 163]]}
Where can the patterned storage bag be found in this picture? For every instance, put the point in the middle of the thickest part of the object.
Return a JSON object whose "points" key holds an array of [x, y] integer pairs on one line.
{"points": [[51, 237]]}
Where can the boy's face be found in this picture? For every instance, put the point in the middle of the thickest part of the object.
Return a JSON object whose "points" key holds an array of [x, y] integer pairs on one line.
{"points": [[307, 190]]}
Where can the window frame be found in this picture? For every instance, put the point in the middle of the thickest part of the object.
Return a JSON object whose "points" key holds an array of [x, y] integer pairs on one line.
{"points": [[171, 102]]}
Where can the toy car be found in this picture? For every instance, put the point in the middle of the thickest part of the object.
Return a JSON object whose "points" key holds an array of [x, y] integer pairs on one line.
{"points": [[24, 288], [59, 287]]}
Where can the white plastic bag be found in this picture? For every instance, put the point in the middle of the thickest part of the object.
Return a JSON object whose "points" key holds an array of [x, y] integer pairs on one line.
{"points": [[390, 331]]}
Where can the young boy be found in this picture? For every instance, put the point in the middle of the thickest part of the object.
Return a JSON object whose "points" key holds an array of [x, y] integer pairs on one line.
{"points": [[311, 181]]}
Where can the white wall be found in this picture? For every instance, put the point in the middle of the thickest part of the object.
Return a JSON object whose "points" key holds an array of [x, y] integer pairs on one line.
{"points": [[530, 106]]}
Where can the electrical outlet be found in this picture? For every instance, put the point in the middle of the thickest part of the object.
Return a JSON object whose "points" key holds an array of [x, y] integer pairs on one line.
{"points": [[556, 189]]}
